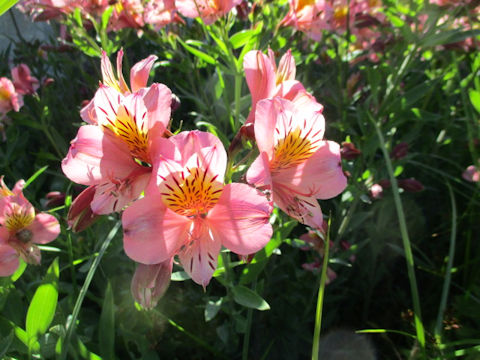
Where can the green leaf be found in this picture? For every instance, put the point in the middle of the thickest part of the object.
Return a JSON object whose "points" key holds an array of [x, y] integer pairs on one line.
{"points": [[179, 276], [34, 176], [106, 17], [246, 297], [106, 328], [21, 268], [212, 309], [5, 344], [5, 5], [475, 98], [200, 54], [42, 308], [241, 38]]}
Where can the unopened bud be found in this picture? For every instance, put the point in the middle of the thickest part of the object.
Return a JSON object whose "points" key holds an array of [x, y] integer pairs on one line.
{"points": [[349, 151], [376, 191], [150, 282], [471, 174], [411, 185], [175, 104], [54, 199], [399, 151], [80, 215]]}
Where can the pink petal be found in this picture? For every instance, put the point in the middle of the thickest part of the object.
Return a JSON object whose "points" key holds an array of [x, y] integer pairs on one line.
{"points": [[152, 233], [95, 156], [140, 72], [240, 219], [320, 176], [88, 114], [199, 257], [107, 101], [258, 173], [266, 115], [286, 68], [471, 174], [8, 260], [114, 196], [108, 75], [121, 80], [302, 208], [45, 228], [158, 100], [260, 76]]}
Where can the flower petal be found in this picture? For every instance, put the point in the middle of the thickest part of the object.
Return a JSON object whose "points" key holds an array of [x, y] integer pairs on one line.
{"points": [[258, 173], [240, 219], [140, 72], [320, 176], [151, 232], [8, 260], [45, 228], [158, 99], [95, 156], [199, 257]]}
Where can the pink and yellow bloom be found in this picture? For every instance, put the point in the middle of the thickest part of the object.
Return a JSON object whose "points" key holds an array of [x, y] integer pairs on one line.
{"points": [[208, 10], [266, 80], [24, 82], [189, 211], [10, 99], [295, 163], [113, 154], [21, 229]]}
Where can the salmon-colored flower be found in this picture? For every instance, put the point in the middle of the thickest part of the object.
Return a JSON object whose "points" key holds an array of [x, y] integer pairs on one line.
{"points": [[160, 13], [150, 282], [24, 82], [189, 211], [208, 10], [10, 99], [266, 80], [295, 163], [21, 229]]}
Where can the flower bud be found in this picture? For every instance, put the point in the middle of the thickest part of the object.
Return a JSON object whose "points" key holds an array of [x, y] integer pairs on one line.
{"points": [[376, 191], [399, 151], [80, 215], [150, 282], [411, 185], [471, 174], [349, 151], [54, 199]]}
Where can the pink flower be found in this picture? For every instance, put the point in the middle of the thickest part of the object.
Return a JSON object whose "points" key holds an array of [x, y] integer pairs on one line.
{"points": [[265, 80], [471, 174], [189, 211], [10, 99], [308, 16], [24, 82], [113, 153], [150, 282], [160, 13], [138, 80], [21, 229], [376, 191], [127, 14], [295, 163], [208, 10]]}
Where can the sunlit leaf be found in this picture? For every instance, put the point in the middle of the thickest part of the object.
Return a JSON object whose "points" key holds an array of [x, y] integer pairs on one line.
{"points": [[246, 297], [6, 4]]}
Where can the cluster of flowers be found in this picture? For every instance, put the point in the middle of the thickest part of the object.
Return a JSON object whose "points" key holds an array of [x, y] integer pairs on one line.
{"points": [[11, 93], [172, 188], [21, 229], [316, 16], [131, 13]]}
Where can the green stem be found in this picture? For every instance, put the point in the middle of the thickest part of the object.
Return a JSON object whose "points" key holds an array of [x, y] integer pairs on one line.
{"points": [[246, 338], [405, 239], [321, 294], [83, 291], [70, 260], [448, 271]]}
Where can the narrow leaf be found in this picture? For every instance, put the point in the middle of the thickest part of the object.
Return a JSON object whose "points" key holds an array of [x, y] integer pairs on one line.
{"points": [[475, 98], [5, 5], [42, 308], [34, 176], [246, 297], [106, 333]]}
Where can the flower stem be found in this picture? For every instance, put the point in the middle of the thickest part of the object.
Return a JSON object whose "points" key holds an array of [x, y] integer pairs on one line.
{"points": [[83, 291], [246, 337], [405, 239], [321, 294], [448, 271]]}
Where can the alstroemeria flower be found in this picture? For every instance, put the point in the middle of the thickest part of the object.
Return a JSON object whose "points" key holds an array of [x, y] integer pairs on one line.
{"points": [[308, 16], [265, 80], [189, 211], [295, 163], [150, 282], [114, 155], [138, 80], [208, 10], [21, 229], [24, 82], [160, 13], [10, 99]]}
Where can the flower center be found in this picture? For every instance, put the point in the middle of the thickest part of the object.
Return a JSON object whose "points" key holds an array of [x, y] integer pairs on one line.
{"points": [[4, 94], [303, 3], [130, 128], [19, 218], [291, 150], [191, 193], [340, 13]]}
